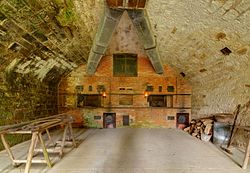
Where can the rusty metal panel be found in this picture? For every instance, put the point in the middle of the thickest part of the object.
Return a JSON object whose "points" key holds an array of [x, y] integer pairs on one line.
{"points": [[115, 3], [112, 3], [132, 3], [141, 3], [119, 2]]}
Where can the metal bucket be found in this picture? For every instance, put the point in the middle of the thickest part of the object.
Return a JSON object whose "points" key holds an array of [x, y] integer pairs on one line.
{"points": [[221, 133]]}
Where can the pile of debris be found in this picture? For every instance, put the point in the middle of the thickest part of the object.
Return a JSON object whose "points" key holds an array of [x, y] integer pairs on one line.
{"points": [[201, 128]]}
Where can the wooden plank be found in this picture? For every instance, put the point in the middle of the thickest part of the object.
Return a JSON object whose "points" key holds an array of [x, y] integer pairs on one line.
{"points": [[45, 153], [66, 143], [33, 161], [23, 126], [7, 148], [247, 155], [49, 150], [20, 132], [36, 128], [31, 152]]}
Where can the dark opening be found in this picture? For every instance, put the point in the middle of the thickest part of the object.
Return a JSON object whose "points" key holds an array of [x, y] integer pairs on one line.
{"points": [[125, 65], [122, 89], [79, 88], [125, 120], [170, 88], [29, 38], [2, 16], [171, 118], [97, 117], [90, 88], [92, 100], [182, 74], [160, 88], [40, 36], [150, 88], [157, 100], [15, 47], [203, 70], [182, 120], [226, 51], [109, 120]]}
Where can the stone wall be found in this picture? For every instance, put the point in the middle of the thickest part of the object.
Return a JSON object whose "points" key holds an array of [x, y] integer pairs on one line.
{"points": [[191, 35], [25, 98]]}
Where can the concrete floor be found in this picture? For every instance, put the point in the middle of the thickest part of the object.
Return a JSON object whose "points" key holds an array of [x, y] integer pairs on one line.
{"points": [[136, 151]]}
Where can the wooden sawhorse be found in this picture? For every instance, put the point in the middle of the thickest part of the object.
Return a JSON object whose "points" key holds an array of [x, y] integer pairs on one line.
{"points": [[36, 128], [247, 151]]}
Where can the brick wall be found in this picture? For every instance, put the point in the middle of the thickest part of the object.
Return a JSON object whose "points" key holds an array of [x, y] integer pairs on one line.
{"points": [[140, 113], [125, 40]]}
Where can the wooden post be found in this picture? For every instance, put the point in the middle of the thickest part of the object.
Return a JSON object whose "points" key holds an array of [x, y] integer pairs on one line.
{"points": [[63, 139], [45, 153], [7, 147], [50, 139], [236, 113], [31, 152], [247, 154], [72, 135]]}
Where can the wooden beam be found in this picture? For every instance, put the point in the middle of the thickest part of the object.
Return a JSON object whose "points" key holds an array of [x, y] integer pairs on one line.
{"points": [[63, 139], [49, 150], [50, 139], [7, 147], [247, 154], [72, 135], [45, 153], [33, 161], [31, 152]]}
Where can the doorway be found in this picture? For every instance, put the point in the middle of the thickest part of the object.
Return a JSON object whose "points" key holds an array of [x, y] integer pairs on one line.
{"points": [[109, 120], [182, 120]]}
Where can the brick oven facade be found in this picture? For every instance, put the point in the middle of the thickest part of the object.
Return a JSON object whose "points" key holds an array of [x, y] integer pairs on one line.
{"points": [[126, 92], [128, 101]]}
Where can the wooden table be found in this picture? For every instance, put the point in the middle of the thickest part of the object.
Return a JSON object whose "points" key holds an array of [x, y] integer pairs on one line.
{"points": [[36, 128]]}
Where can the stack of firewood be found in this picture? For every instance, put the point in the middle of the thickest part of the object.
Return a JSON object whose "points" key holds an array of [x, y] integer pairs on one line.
{"points": [[201, 128]]}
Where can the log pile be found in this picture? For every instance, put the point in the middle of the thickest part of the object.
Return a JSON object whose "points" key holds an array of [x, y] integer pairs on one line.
{"points": [[201, 128]]}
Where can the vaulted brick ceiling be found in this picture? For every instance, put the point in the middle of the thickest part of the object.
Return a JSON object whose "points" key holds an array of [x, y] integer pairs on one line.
{"points": [[50, 38]]}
